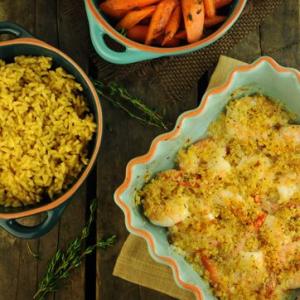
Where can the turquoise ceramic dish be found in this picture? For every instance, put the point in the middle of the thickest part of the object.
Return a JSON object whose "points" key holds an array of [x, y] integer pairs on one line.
{"points": [[25, 44], [264, 76], [134, 52]]}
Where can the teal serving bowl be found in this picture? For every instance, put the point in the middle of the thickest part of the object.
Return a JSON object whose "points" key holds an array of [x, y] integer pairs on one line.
{"points": [[133, 51], [264, 76], [25, 44]]}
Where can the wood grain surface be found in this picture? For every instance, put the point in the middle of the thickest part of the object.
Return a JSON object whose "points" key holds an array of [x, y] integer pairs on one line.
{"points": [[63, 23]]}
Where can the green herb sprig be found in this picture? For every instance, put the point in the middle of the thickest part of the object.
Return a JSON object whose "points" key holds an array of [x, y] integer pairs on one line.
{"points": [[63, 262], [133, 106], [31, 252]]}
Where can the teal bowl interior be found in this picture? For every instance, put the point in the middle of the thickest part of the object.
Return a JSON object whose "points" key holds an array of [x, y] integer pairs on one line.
{"points": [[8, 52], [261, 77], [129, 53]]}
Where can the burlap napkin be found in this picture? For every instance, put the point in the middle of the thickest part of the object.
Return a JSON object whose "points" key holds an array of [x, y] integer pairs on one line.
{"points": [[134, 262]]}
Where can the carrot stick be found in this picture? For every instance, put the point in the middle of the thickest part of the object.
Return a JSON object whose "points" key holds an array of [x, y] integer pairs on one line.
{"points": [[210, 9], [113, 13], [138, 33], [172, 25], [213, 21], [135, 16], [160, 19], [193, 15], [222, 3], [130, 4], [181, 35]]}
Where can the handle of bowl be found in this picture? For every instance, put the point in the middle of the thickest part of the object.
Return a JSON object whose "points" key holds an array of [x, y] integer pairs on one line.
{"points": [[33, 232], [13, 28], [130, 55]]}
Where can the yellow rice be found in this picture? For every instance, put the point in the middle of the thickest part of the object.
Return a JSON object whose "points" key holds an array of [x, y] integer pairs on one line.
{"points": [[219, 234], [45, 129]]}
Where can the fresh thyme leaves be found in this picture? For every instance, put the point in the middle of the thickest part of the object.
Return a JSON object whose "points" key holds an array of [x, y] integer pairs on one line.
{"points": [[63, 262], [133, 106], [123, 31], [31, 252]]}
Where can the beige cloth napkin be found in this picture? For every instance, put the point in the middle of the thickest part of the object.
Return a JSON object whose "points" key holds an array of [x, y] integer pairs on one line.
{"points": [[134, 262]]}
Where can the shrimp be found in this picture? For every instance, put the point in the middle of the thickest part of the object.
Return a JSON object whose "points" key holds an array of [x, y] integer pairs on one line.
{"points": [[171, 206], [260, 163], [290, 252], [290, 134], [254, 260], [206, 153], [243, 123], [173, 212], [292, 281], [288, 185], [274, 232]]}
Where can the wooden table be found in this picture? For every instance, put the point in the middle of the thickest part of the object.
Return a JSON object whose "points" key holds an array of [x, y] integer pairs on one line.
{"points": [[63, 23]]}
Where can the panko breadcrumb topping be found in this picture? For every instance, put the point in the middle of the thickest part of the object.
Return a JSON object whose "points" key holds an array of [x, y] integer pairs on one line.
{"points": [[233, 204]]}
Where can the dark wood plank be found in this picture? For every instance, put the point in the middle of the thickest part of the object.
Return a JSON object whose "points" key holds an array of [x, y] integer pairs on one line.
{"points": [[72, 39], [16, 262], [248, 49], [281, 39], [109, 218], [42, 20], [284, 32], [46, 29], [124, 139], [73, 31]]}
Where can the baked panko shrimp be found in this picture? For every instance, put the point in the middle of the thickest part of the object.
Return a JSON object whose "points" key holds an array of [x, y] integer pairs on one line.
{"points": [[232, 204]]}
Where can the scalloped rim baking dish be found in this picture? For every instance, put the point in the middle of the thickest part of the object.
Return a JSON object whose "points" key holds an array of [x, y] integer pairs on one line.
{"points": [[265, 76]]}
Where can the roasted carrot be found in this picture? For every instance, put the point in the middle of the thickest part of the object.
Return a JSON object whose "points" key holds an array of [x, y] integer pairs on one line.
{"points": [[172, 25], [259, 221], [113, 13], [181, 35], [210, 9], [160, 19], [138, 33], [222, 3], [213, 21], [130, 4], [135, 16], [193, 15], [210, 267]]}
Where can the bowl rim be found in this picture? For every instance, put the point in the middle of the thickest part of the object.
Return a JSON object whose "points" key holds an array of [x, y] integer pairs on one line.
{"points": [[147, 236], [70, 192], [163, 50]]}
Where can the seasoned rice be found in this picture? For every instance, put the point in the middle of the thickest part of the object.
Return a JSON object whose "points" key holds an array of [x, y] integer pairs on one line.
{"points": [[45, 130]]}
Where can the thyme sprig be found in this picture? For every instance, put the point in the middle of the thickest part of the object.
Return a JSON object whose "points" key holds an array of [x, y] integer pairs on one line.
{"points": [[133, 106], [63, 262], [31, 252]]}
